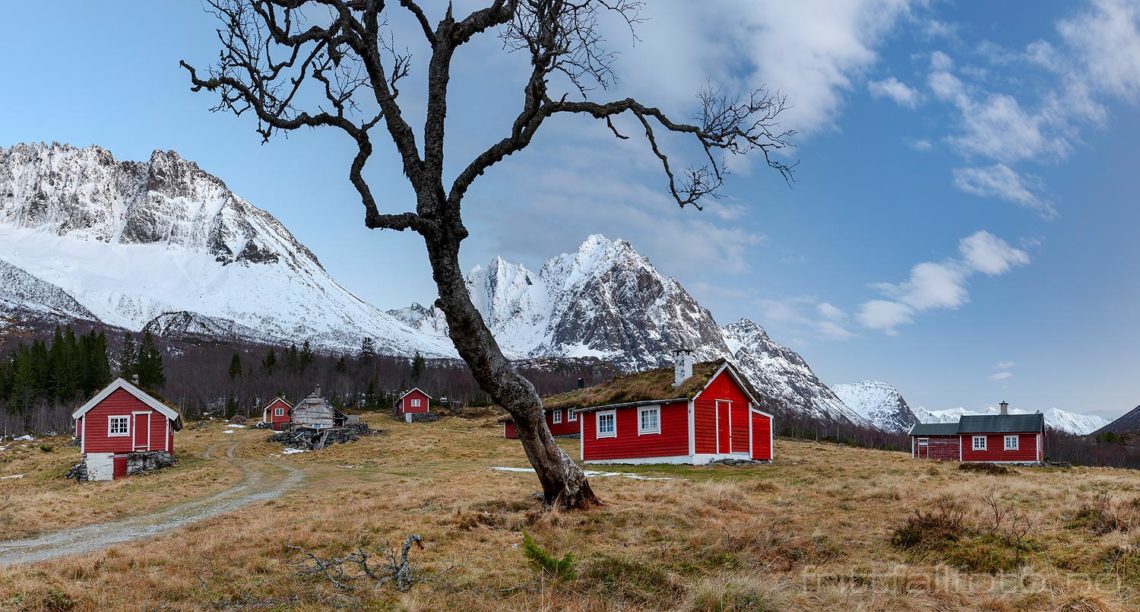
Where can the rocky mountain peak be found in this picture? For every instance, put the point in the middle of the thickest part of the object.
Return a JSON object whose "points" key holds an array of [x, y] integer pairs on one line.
{"points": [[878, 402]]}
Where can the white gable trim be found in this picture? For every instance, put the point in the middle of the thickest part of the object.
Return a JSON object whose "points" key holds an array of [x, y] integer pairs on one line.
{"points": [[406, 393], [265, 411], [139, 394], [735, 377]]}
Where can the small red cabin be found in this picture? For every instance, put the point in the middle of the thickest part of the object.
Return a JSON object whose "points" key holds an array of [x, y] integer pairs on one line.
{"points": [[561, 421], [277, 414], [1000, 438], [413, 402], [120, 420], [691, 413]]}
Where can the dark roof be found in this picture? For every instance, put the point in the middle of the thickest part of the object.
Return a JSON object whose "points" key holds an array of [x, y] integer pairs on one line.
{"points": [[1001, 423], [934, 429]]}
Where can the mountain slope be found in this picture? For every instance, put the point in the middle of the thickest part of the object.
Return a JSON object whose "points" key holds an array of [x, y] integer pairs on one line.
{"points": [[1129, 422], [879, 403], [132, 241]]}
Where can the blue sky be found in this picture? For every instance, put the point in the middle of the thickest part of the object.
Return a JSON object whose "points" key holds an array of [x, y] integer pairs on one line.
{"points": [[962, 224]]}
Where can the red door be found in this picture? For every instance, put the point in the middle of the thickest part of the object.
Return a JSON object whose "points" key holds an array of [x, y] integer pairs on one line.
{"points": [[723, 426], [140, 431], [118, 467]]}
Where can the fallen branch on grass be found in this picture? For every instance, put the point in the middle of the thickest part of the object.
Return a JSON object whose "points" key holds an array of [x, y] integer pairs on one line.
{"points": [[343, 571]]}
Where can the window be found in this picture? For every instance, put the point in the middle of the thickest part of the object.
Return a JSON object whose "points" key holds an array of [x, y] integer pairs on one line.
{"points": [[416, 402], [979, 443], [649, 420], [278, 412], [571, 415], [607, 424], [119, 426], [557, 416], [1011, 443]]}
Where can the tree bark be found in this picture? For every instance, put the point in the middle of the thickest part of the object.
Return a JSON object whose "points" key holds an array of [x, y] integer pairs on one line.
{"points": [[564, 485]]}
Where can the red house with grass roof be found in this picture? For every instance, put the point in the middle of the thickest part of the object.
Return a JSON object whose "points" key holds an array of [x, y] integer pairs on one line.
{"points": [[277, 414], [122, 419], [690, 413]]}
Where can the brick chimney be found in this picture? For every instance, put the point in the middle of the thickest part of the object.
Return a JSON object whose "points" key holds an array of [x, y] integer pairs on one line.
{"points": [[682, 366], [1004, 407]]}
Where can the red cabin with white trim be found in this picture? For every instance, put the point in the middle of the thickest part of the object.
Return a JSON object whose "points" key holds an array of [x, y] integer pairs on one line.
{"points": [[120, 420], [692, 413], [413, 402], [561, 421], [1001, 438], [277, 414]]}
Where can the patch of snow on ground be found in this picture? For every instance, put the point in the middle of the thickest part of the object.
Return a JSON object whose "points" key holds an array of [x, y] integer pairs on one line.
{"points": [[12, 477], [235, 426], [24, 438], [229, 431], [291, 451], [589, 473]]}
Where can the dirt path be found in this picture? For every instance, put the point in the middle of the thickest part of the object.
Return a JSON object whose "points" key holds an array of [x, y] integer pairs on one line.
{"points": [[262, 481]]}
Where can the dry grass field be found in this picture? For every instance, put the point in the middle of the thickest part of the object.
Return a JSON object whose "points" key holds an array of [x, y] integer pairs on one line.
{"points": [[819, 529]]}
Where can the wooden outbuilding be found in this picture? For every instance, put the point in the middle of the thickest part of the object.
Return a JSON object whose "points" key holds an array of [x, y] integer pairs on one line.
{"points": [[277, 414], [983, 438], [414, 401], [315, 412]]}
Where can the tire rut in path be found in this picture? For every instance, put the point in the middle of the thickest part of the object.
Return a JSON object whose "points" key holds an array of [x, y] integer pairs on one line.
{"points": [[260, 483]]}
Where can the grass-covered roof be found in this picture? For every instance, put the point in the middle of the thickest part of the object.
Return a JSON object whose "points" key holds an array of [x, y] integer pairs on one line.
{"points": [[656, 384]]}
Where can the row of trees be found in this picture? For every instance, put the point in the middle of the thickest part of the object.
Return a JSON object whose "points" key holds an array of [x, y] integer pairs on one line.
{"points": [[66, 368]]}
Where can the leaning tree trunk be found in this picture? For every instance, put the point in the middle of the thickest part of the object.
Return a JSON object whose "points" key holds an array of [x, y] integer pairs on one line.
{"points": [[564, 485]]}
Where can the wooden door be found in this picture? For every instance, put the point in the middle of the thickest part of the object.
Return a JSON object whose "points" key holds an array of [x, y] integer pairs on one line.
{"points": [[723, 426], [119, 467], [140, 431]]}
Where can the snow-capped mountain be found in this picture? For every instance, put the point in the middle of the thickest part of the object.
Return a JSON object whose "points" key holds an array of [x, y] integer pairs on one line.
{"points": [[1056, 418], [607, 301], [879, 403], [130, 242]]}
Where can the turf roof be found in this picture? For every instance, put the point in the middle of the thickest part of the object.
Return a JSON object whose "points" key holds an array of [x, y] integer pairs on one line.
{"points": [[656, 384]]}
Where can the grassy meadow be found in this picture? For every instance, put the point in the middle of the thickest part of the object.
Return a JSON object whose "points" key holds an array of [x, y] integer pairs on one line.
{"points": [[825, 527]]}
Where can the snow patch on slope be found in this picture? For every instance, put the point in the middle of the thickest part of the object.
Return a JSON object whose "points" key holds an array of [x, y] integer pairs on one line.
{"points": [[879, 403]]}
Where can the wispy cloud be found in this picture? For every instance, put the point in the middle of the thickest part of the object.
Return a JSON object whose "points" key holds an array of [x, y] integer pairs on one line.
{"points": [[895, 90], [808, 316], [1006, 365], [1000, 376], [1000, 181], [939, 285]]}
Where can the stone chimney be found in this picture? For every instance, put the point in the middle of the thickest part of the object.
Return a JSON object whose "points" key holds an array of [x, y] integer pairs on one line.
{"points": [[682, 366], [1004, 407], [318, 391], [581, 383], [135, 379]]}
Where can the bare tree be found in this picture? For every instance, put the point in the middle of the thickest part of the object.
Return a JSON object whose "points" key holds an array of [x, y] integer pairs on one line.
{"points": [[335, 64]]}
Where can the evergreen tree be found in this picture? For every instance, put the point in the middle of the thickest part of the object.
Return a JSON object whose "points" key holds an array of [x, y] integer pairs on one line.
{"points": [[305, 358], [371, 400], [367, 350], [235, 366], [269, 362], [150, 371], [418, 366], [128, 358], [289, 357], [341, 366]]}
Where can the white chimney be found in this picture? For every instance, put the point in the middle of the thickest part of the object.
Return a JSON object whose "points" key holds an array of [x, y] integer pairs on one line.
{"points": [[1004, 407], [682, 366]]}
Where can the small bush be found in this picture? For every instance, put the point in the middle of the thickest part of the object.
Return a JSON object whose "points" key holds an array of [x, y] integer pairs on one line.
{"points": [[47, 448], [986, 468], [987, 553], [552, 566], [932, 529], [1102, 514]]}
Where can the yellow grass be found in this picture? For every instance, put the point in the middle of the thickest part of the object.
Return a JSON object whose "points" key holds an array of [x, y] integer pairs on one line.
{"points": [[42, 500], [812, 531]]}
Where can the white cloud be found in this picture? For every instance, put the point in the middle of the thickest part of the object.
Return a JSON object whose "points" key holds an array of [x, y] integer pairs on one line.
{"points": [[922, 145], [1106, 42], [901, 93], [829, 311], [990, 255], [1006, 365], [939, 285], [796, 313], [1000, 376], [833, 331], [1002, 182], [813, 51], [884, 316]]}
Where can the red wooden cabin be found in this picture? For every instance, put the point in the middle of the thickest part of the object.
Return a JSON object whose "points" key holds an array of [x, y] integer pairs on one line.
{"points": [[690, 413], [561, 421], [413, 402], [1000, 438], [120, 420], [277, 414]]}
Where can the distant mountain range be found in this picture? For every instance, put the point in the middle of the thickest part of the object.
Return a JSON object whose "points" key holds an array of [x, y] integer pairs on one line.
{"points": [[164, 246]]}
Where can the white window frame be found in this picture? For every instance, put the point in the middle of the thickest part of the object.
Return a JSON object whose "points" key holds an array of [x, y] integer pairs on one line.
{"points": [[125, 433], [278, 412], [974, 443], [415, 402], [556, 418], [641, 431], [571, 416], [612, 414], [1016, 443]]}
